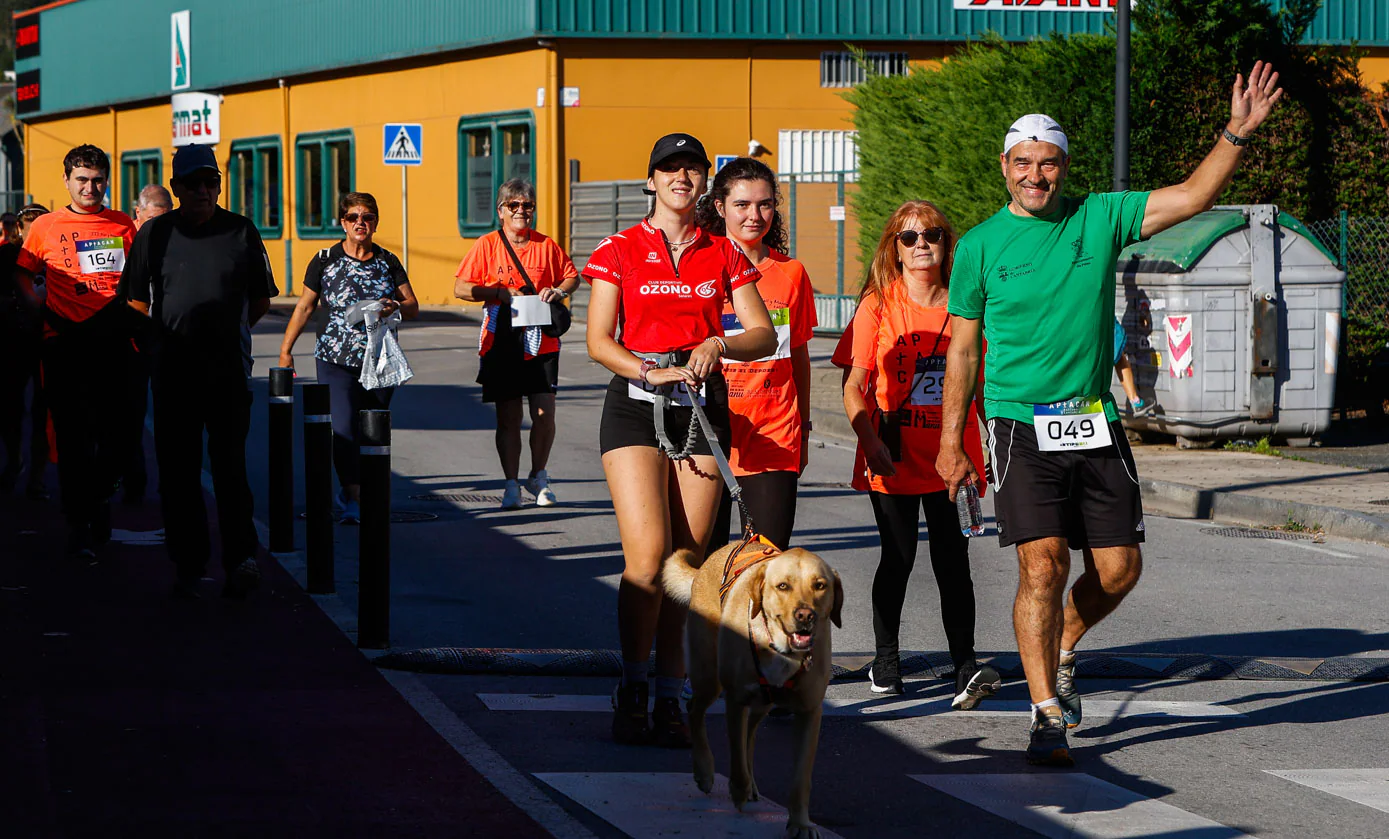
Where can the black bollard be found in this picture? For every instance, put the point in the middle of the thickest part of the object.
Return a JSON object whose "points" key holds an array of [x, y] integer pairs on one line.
{"points": [[318, 489], [281, 459], [374, 546]]}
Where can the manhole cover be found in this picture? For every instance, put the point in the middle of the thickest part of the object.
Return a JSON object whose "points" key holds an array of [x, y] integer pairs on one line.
{"points": [[458, 497], [411, 517], [1383, 502], [1257, 533]]}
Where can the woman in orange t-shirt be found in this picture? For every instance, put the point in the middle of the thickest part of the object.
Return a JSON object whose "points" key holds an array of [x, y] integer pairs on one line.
{"points": [[894, 355], [768, 399], [517, 362]]}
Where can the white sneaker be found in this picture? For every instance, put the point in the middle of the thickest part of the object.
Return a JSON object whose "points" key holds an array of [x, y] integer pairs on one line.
{"points": [[539, 486], [511, 497]]}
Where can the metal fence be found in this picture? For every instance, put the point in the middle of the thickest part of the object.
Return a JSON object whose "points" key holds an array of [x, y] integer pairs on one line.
{"points": [[1361, 247], [823, 233]]}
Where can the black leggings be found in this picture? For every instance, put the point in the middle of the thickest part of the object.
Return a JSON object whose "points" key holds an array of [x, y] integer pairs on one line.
{"points": [[771, 501], [897, 526]]}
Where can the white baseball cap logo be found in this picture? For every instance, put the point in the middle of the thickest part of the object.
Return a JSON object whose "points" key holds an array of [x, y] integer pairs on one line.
{"points": [[680, 143]]}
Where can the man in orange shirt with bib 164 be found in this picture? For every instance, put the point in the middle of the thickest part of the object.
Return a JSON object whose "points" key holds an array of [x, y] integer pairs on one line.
{"points": [[87, 342]]}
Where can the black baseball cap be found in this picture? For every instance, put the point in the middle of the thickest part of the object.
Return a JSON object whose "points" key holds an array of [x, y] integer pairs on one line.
{"points": [[189, 159], [673, 144]]}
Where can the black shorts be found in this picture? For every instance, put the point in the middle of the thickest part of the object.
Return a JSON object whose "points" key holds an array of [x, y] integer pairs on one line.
{"points": [[1089, 497], [631, 422], [506, 375]]}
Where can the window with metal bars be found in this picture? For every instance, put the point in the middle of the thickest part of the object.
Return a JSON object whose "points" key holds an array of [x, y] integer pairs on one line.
{"points": [[842, 69]]}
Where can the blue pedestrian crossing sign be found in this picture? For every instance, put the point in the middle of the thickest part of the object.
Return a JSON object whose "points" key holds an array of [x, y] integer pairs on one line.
{"points": [[402, 144]]}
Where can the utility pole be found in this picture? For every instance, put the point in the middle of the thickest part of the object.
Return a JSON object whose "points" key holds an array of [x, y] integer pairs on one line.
{"points": [[1121, 97]]}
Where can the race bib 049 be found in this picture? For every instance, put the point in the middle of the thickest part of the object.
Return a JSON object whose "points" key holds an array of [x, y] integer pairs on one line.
{"points": [[99, 256], [1071, 425]]}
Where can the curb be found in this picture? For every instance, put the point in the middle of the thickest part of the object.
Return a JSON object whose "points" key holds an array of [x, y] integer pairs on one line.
{"points": [[460, 661], [1243, 508]]}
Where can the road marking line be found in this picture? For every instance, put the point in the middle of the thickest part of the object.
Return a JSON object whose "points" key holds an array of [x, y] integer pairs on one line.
{"points": [[836, 707], [1363, 786], [657, 804], [1075, 806], [1319, 550]]}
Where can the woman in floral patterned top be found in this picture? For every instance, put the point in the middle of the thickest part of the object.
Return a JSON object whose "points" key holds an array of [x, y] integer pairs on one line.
{"points": [[355, 270]]}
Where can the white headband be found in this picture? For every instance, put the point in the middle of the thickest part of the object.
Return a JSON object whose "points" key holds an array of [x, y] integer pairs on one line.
{"points": [[1038, 127]]}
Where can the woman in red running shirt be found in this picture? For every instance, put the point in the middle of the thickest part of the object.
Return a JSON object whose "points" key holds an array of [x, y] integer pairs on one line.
{"points": [[894, 357], [665, 282], [768, 399]]}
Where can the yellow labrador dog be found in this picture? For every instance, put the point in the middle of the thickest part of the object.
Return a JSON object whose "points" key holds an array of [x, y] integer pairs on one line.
{"points": [[759, 632]]}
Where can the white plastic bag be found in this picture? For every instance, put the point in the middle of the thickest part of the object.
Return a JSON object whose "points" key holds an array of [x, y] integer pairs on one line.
{"points": [[384, 364]]}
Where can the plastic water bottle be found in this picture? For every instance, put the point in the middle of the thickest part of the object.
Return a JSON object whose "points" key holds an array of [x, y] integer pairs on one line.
{"points": [[967, 505]]}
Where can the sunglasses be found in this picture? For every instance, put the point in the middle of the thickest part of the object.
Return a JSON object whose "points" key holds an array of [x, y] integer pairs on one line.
{"points": [[932, 235], [351, 218], [515, 206], [201, 181]]}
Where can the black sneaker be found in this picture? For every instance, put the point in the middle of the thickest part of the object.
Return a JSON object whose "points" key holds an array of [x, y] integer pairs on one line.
{"points": [[101, 524], [80, 543], [630, 726], [1066, 692], [242, 580], [668, 728], [974, 684], [1048, 744], [883, 677]]}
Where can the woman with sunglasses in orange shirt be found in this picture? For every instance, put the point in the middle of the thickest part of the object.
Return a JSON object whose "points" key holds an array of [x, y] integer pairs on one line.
{"points": [[894, 360]]}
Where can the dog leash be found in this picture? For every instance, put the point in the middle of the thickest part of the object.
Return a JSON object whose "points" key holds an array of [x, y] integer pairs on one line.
{"points": [[700, 420]]}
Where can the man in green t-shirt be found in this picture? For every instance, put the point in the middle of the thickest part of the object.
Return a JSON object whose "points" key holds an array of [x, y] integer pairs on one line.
{"points": [[1037, 281]]}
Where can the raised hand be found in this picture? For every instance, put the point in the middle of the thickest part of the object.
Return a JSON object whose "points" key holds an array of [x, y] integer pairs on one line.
{"points": [[1250, 106]]}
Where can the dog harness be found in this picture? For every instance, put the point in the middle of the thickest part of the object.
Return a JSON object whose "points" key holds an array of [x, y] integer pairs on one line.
{"points": [[740, 559]]}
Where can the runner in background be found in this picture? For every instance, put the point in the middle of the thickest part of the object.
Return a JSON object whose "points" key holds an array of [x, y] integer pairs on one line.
{"points": [[665, 281], [154, 201], [1037, 280], [768, 399], [87, 350], [522, 362], [894, 357], [1124, 370]]}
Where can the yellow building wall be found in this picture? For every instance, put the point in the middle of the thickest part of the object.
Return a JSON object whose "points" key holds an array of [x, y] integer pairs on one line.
{"points": [[1374, 68], [47, 143]]}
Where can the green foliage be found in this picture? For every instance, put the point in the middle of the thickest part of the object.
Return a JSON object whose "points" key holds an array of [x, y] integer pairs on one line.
{"points": [[937, 133]]}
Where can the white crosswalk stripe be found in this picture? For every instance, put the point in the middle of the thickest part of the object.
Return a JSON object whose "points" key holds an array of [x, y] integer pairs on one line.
{"points": [[1363, 786], [659, 804], [1072, 805], [877, 708]]}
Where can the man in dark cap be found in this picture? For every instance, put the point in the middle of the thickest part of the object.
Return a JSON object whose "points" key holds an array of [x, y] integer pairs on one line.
{"points": [[203, 276]]}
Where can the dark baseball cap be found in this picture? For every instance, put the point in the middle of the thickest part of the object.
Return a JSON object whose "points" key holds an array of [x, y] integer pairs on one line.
{"points": [[673, 144], [189, 159]]}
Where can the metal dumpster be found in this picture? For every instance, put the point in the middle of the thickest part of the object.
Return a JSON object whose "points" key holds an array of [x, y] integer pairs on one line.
{"points": [[1233, 322]]}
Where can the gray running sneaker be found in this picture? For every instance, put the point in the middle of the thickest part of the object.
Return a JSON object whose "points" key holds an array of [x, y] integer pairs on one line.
{"points": [[974, 684], [1048, 742], [1066, 692]]}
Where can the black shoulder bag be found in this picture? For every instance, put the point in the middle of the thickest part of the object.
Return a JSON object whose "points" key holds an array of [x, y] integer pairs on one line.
{"points": [[560, 317]]}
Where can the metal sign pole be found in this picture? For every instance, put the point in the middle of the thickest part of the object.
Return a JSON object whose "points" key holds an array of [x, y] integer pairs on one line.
{"points": [[1121, 97], [404, 221]]}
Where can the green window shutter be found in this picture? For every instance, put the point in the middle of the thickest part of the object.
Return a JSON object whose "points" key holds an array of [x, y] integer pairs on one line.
{"points": [[492, 148], [326, 170]]}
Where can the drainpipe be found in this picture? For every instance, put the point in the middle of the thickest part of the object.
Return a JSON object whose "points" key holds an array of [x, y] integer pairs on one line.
{"points": [[288, 191]]}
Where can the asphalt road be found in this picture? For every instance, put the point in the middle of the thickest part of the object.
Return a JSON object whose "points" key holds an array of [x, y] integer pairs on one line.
{"points": [[478, 576]]}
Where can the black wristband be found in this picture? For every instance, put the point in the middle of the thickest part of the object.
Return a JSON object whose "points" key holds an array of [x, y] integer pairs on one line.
{"points": [[1235, 139]]}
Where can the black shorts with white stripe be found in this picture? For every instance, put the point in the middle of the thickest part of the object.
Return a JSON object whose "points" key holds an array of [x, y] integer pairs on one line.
{"points": [[1090, 497]]}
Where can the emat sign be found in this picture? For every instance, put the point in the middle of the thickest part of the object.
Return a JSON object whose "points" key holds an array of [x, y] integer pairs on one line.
{"points": [[196, 119]]}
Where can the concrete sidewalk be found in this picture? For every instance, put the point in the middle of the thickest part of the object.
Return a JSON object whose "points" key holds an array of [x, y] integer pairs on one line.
{"points": [[1231, 486], [124, 712]]}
